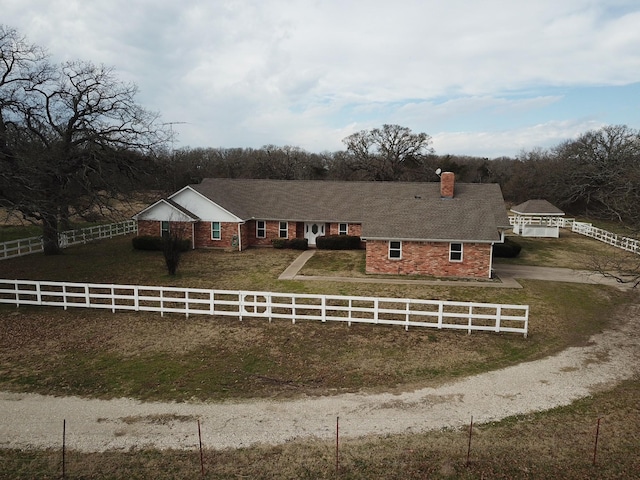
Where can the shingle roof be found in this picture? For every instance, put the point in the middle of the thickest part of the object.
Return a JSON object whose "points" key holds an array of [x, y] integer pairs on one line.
{"points": [[398, 210], [537, 207]]}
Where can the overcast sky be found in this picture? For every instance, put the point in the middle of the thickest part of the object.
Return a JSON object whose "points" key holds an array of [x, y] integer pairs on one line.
{"points": [[482, 77]]}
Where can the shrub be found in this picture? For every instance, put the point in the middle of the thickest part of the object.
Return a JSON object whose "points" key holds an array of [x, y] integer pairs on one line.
{"points": [[508, 249], [338, 242], [294, 243], [149, 242], [299, 243], [279, 243]]}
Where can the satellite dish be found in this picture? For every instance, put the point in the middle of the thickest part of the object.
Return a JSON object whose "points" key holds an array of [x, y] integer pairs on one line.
{"points": [[438, 171]]}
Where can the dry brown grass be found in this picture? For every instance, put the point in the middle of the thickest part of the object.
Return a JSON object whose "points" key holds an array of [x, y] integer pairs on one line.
{"points": [[101, 354], [97, 353]]}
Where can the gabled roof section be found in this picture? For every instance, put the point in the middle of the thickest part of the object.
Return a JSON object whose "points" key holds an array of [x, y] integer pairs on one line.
{"points": [[386, 210], [475, 214], [536, 207], [161, 210]]}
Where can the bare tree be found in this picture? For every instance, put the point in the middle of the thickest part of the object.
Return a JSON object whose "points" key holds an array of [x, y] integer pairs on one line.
{"points": [[601, 173], [73, 139], [623, 267], [389, 152]]}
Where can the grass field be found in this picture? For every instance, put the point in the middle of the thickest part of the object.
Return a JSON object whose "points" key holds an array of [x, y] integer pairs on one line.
{"points": [[146, 356]]}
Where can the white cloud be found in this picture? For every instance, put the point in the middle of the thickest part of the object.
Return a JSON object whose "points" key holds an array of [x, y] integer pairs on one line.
{"points": [[510, 143], [248, 72]]}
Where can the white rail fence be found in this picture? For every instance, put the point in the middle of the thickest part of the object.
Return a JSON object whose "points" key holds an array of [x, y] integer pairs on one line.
{"points": [[467, 316], [587, 229], [26, 246], [625, 243]]}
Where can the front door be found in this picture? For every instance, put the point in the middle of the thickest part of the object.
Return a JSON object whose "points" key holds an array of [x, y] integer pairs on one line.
{"points": [[313, 231]]}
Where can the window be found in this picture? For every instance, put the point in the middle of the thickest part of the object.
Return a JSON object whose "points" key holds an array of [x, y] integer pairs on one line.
{"points": [[395, 250], [455, 252], [164, 229], [216, 233], [261, 229], [343, 229], [284, 230]]}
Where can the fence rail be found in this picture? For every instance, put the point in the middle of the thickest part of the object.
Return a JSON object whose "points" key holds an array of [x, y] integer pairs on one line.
{"points": [[587, 229], [625, 243], [26, 246], [467, 316], [549, 221]]}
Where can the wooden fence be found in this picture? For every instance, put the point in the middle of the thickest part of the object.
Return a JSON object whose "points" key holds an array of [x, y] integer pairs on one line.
{"points": [[467, 316], [26, 246]]}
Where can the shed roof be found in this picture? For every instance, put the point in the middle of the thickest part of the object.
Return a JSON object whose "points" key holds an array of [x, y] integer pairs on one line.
{"points": [[536, 207], [386, 210]]}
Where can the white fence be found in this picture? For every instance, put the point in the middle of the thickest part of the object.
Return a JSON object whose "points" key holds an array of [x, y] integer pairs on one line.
{"points": [[625, 243], [188, 301], [587, 229], [550, 221], [26, 246]]}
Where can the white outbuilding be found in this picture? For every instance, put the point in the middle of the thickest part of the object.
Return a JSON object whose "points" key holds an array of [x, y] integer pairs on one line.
{"points": [[537, 218]]}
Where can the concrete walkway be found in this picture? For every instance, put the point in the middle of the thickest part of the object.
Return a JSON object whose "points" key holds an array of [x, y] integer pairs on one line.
{"points": [[506, 275]]}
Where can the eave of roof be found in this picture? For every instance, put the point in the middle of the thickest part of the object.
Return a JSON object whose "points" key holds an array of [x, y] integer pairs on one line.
{"points": [[537, 207]]}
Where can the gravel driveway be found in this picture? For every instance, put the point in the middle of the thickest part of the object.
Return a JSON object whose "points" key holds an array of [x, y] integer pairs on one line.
{"points": [[35, 421]]}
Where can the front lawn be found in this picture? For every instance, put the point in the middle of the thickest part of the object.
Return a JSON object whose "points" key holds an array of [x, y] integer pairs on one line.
{"points": [[100, 354]]}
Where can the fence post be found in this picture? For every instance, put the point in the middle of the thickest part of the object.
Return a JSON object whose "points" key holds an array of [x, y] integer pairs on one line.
{"points": [[201, 455], [469, 446], [337, 444], [406, 315], [64, 440], [595, 446]]}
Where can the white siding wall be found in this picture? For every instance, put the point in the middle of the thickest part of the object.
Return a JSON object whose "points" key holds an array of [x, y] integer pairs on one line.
{"points": [[203, 208], [163, 212]]}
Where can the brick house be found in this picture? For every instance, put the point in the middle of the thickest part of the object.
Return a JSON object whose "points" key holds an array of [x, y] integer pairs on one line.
{"points": [[440, 229]]}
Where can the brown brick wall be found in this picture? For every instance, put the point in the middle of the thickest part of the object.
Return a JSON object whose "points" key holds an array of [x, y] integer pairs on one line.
{"points": [[153, 228], [447, 184], [429, 258], [353, 229], [203, 235], [272, 232]]}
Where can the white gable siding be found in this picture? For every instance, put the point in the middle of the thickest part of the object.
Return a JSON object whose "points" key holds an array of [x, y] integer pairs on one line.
{"points": [[205, 209], [162, 211]]}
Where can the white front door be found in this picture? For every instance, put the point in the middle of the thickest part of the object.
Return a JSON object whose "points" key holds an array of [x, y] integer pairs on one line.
{"points": [[313, 231]]}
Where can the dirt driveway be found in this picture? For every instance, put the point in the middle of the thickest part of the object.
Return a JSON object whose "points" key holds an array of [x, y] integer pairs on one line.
{"points": [[35, 421]]}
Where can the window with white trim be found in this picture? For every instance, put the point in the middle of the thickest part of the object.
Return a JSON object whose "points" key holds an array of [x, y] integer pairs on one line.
{"points": [[395, 250], [284, 230], [455, 252], [343, 229], [261, 229], [164, 229], [216, 231]]}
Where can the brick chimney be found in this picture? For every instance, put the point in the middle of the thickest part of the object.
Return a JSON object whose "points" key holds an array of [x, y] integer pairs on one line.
{"points": [[447, 183]]}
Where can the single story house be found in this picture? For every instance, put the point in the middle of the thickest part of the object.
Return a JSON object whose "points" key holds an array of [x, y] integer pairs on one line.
{"points": [[537, 218], [440, 229]]}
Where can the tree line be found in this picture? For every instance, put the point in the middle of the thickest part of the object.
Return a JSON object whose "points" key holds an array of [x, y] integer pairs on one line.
{"points": [[72, 138], [596, 174]]}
